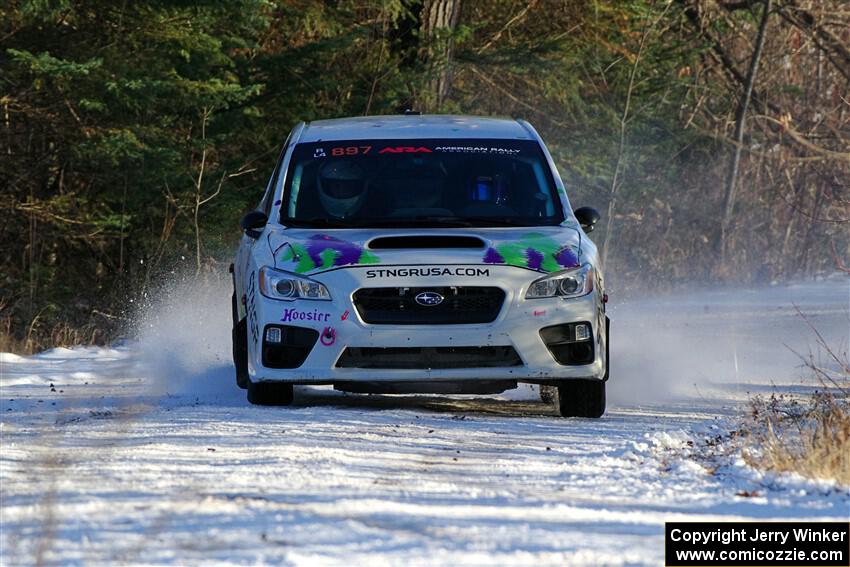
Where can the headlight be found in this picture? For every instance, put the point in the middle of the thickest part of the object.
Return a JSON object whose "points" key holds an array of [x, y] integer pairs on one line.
{"points": [[276, 284], [572, 283]]}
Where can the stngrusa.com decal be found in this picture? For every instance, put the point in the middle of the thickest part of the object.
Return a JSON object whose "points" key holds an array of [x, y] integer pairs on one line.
{"points": [[426, 272]]}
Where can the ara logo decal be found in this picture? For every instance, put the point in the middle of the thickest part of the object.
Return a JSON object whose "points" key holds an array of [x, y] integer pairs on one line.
{"points": [[405, 150]]}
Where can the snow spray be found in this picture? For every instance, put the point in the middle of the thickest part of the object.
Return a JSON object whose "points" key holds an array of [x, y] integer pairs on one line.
{"points": [[183, 327], [675, 346]]}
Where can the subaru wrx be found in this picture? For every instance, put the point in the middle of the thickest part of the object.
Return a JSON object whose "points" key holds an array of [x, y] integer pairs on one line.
{"points": [[419, 254]]}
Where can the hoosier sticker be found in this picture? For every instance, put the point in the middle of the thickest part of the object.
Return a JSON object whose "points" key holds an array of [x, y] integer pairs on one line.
{"points": [[294, 314]]}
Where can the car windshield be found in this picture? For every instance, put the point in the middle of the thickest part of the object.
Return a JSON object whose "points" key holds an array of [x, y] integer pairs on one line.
{"points": [[402, 183]]}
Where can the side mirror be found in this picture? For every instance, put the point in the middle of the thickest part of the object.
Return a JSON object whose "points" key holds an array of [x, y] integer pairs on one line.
{"points": [[253, 223], [587, 217]]}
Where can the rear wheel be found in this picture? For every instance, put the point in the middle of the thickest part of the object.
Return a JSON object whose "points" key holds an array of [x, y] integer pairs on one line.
{"points": [[580, 398], [547, 394], [270, 393]]}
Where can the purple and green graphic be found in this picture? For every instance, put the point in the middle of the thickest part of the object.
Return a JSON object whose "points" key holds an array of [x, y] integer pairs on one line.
{"points": [[534, 251], [322, 252]]}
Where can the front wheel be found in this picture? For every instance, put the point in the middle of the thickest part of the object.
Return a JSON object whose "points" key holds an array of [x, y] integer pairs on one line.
{"points": [[270, 393], [580, 398]]}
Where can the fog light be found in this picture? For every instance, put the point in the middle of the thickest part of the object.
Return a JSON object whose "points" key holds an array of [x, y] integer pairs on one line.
{"points": [[272, 335], [582, 332]]}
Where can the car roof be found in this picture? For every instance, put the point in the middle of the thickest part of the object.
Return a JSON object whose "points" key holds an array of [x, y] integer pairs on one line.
{"points": [[411, 126]]}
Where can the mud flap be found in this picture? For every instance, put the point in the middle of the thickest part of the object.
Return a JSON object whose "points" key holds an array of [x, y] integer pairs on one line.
{"points": [[240, 352], [607, 347]]}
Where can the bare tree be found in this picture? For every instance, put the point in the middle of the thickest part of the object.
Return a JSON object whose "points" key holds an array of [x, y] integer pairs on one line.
{"points": [[619, 164], [199, 197], [740, 118]]}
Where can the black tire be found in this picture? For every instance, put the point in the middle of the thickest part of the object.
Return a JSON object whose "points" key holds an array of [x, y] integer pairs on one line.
{"points": [[240, 348], [580, 398], [547, 394], [270, 393]]}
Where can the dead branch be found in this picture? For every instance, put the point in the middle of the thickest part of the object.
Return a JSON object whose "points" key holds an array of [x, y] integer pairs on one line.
{"points": [[838, 262], [785, 123]]}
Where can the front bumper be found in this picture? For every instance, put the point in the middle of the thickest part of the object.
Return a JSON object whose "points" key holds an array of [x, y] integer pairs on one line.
{"points": [[339, 327]]}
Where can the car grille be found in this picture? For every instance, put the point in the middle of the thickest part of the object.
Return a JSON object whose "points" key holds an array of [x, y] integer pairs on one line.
{"points": [[398, 306], [429, 357]]}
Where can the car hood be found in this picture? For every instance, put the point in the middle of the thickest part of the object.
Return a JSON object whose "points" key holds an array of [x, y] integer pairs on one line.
{"points": [[540, 249]]}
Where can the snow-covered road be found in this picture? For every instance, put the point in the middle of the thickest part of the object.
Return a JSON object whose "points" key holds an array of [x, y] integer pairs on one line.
{"points": [[149, 454]]}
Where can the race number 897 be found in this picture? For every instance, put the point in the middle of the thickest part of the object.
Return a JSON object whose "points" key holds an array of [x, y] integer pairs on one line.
{"points": [[350, 150]]}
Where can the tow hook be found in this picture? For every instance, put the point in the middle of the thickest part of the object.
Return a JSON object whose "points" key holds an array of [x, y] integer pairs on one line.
{"points": [[328, 336]]}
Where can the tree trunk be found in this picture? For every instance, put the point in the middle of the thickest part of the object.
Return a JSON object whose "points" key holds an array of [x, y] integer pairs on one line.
{"points": [[740, 118], [438, 22]]}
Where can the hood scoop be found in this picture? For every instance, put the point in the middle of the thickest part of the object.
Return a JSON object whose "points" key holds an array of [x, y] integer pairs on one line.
{"points": [[425, 241]]}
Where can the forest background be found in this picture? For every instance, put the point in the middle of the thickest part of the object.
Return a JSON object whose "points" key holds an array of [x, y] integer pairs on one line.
{"points": [[712, 135]]}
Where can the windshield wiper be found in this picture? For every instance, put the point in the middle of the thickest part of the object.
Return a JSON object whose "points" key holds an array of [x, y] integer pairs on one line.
{"points": [[316, 222], [400, 222], [503, 221], [418, 221], [484, 222], [422, 222]]}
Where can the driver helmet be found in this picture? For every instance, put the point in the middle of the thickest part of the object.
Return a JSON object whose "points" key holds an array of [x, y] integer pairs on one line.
{"points": [[342, 187]]}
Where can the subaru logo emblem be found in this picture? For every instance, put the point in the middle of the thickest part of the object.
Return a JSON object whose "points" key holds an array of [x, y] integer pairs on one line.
{"points": [[429, 298]]}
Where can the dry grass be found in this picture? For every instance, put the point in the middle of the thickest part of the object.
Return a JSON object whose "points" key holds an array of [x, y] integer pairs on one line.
{"points": [[8, 341], [809, 436], [37, 336]]}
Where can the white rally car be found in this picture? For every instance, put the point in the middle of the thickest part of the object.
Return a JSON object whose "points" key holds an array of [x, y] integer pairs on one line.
{"points": [[419, 254]]}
